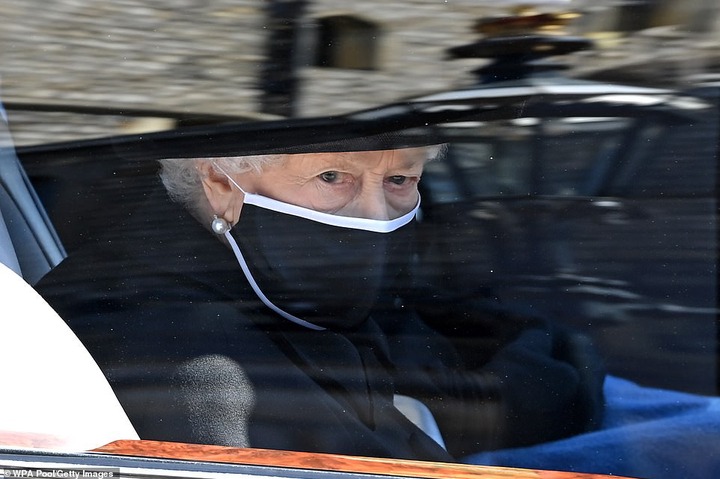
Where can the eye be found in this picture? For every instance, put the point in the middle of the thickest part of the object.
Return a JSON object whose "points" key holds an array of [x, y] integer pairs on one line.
{"points": [[397, 179], [329, 176]]}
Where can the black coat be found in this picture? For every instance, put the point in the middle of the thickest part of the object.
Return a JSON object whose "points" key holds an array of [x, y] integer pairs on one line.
{"points": [[193, 356]]}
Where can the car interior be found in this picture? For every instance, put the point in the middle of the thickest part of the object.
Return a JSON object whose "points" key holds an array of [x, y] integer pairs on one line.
{"points": [[29, 244], [29, 248]]}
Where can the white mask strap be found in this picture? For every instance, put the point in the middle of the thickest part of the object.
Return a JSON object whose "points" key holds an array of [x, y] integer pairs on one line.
{"points": [[229, 178], [258, 291]]}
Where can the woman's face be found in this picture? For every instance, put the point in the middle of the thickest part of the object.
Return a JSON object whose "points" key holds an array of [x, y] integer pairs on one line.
{"points": [[378, 185]]}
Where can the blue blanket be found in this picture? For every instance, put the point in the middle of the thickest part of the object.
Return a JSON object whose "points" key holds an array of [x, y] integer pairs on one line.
{"points": [[647, 433]]}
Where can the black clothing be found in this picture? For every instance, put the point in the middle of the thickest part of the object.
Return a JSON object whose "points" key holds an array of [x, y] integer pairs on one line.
{"points": [[161, 291]]}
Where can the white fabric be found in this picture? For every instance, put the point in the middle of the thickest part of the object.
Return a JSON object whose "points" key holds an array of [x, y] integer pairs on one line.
{"points": [[420, 415], [366, 224], [53, 391]]}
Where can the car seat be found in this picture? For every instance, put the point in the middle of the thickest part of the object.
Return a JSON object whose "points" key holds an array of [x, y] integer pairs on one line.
{"points": [[29, 244]]}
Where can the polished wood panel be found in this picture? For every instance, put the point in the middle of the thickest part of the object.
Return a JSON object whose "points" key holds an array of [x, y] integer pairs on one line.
{"points": [[329, 462]]}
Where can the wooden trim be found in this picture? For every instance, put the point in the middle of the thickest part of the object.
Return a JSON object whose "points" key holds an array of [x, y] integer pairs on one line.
{"points": [[328, 462]]}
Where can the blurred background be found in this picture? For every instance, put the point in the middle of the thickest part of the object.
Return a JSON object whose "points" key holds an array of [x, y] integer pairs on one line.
{"points": [[162, 63]]}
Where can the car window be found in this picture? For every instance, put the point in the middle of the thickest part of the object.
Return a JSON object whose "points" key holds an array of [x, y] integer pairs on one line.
{"points": [[509, 160], [438, 232]]}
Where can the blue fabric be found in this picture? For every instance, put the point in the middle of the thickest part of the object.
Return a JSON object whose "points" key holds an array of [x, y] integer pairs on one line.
{"points": [[648, 433]]}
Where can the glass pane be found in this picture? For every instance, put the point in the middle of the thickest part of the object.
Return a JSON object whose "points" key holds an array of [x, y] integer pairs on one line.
{"points": [[283, 285]]}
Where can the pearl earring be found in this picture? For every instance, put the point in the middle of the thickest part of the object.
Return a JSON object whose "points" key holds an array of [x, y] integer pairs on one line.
{"points": [[219, 225]]}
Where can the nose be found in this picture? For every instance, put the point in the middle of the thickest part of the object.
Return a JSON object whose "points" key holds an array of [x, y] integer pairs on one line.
{"points": [[372, 203]]}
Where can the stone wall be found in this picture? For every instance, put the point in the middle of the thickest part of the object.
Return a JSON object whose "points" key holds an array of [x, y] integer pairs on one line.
{"points": [[412, 54], [198, 57], [180, 55]]}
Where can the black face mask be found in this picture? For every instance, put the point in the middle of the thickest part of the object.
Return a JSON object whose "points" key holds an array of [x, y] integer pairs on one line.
{"points": [[316, 269]]}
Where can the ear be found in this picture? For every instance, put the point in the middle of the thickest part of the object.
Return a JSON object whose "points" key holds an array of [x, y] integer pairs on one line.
{"points": [[224, 198]]}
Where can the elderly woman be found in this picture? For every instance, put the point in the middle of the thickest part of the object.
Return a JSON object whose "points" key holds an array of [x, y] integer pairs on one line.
{"points": [[306, 224], [275, 310]]}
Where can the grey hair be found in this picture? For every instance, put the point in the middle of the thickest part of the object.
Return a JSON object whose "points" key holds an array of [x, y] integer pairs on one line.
{"points": [[183, 181], [437, 152]]}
